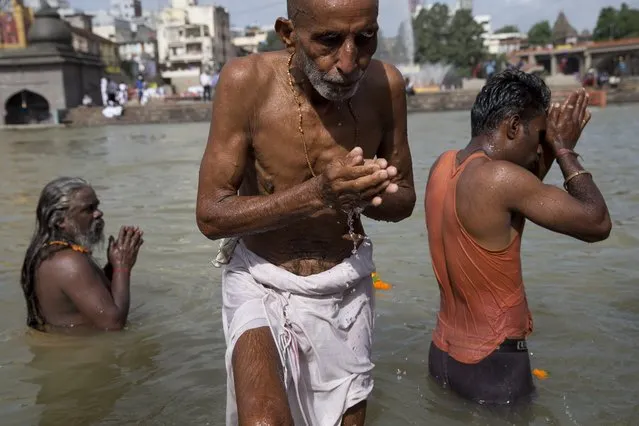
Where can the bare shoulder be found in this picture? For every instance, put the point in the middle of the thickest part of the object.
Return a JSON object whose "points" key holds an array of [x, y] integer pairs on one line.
{"points": [[66, 264], [501, 177], [385, 78], [248, 73]]}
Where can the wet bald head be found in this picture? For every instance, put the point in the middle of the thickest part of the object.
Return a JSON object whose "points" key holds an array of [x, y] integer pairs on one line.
{"points": [[333, 40], [297, 10]]}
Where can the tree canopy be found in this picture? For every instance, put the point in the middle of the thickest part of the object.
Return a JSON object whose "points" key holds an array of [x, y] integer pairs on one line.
{"points": [[438, 38], [540, 34], [614, 24], [507, 29]]}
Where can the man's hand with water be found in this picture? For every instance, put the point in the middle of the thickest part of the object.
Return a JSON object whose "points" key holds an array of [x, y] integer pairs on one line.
{"points": [[567, 121], [351, 182]]}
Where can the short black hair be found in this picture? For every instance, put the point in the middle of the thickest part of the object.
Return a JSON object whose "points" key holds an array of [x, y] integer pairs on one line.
{"points": [[510, 92]]}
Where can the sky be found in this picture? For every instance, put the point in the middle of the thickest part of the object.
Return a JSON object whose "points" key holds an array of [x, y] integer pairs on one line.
{"points": [[582, 14]]}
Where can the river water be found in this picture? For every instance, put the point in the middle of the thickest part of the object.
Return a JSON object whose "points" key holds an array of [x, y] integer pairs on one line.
{"points": [[168, 367]]}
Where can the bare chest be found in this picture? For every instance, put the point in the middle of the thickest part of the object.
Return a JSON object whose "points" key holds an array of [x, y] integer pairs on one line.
{"points": [[286, 148]]}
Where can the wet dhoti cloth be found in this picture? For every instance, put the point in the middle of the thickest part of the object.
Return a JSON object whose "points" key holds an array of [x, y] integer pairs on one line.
{"points": [[322, 326]]}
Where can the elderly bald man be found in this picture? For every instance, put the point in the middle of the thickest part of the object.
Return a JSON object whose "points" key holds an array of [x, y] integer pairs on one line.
{"points": [[302, 142]]}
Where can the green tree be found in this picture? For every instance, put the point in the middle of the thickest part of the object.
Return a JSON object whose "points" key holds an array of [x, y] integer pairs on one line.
{"points": [[606, 28], [465, 45], [508, 29], [272, 43], [540, 34], [613, 24], [432, 33]]}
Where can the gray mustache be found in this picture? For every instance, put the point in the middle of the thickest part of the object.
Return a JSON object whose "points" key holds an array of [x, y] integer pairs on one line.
{"points": [[342, 80]]}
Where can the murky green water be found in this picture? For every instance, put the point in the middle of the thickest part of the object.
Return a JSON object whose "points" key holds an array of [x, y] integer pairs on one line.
{"points": [[168, 368]]}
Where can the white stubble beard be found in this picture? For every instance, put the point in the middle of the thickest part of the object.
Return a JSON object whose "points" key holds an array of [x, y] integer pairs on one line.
{"points": [[321, 81]]}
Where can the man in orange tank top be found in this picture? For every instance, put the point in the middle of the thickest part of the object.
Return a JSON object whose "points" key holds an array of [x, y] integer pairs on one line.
{"points": [[477, 201]]}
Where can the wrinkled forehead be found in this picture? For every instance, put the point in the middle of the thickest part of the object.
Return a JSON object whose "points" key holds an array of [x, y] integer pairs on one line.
{"points": [[84, 197], [335, 15]]}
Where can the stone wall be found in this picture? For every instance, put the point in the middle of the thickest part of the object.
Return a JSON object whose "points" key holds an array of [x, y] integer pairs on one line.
{"points": [[150, 114], [163, 113], [46, 81], [62, 85], [80, 80]]}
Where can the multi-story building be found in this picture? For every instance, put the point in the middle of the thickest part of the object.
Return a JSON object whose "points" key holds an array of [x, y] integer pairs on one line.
{"points": [[486, 22], [126, 9], [505, 43], [192, 38], [77, 19], [85, 40], [148, 18], [88, 42], [111, 27], [186, 46], [140, 56], [249, 39]]}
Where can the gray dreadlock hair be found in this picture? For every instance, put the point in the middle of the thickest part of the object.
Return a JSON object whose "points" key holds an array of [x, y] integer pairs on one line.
{"points": [[52, 207]]}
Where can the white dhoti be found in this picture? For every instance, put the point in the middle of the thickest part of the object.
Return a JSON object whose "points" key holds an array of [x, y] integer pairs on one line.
{"points": [[322, 326]]}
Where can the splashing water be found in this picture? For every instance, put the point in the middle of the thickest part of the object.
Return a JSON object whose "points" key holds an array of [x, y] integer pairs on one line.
{"points": [[431, 74], [408, 35], [352, 216], [424, 74]]}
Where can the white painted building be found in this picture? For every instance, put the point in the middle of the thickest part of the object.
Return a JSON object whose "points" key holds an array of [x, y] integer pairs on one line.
{"points": [[498, 44], [504, 43], [486, 22], [190, 38], [250, 38], [148, 18], [111, 27]]}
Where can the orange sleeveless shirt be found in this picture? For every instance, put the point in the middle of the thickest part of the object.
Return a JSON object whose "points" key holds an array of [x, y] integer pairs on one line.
{"points": [[483, 301]]}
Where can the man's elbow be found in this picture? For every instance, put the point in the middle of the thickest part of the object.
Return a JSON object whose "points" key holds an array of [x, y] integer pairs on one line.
{"points": [[406, 212], [404, 209], [115, 321], [600, 231], [209, 225], [207, 229]]}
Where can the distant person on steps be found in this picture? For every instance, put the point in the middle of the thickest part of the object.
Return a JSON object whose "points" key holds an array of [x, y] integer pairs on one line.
{"points": [[477, 202], [64, 287]]}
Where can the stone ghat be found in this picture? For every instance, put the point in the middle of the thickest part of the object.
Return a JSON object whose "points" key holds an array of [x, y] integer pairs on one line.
{"points": [[190, 112]]}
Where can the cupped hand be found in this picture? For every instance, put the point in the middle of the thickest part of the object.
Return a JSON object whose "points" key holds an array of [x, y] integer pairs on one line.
{"points": [[352, 182], [123, 251]]}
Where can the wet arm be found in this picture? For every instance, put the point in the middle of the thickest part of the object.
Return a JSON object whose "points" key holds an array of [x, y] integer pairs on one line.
{"points": [[86, 287], [581, 212], [221, 212], [395, 149]]}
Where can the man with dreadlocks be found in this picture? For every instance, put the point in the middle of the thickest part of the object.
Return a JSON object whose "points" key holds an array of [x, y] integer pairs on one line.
{"points": [[301, 142], [63, 285]]}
